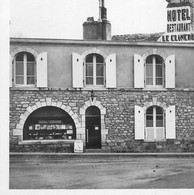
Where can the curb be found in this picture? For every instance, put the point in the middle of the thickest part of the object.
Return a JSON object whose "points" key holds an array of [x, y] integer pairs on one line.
{"points": [[106, 154]]}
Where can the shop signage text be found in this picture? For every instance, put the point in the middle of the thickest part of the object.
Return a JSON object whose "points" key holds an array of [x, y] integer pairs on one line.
{"points": [[49, 121], [179, 28]]}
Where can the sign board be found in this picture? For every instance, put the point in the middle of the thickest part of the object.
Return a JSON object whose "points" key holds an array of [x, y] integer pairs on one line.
{"points": [[179, 25], [78, 146]]}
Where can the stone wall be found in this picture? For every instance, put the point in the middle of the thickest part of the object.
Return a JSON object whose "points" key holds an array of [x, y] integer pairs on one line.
{"points": [[118, 118]]}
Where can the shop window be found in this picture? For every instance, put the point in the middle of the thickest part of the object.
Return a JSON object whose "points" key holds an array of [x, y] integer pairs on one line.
{"points": [[154, 124], [49, 123], [154, 71], [94, 70], [24, 69]]}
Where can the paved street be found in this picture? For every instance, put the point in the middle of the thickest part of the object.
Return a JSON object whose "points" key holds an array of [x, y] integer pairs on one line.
{"points": [[100, 172]]}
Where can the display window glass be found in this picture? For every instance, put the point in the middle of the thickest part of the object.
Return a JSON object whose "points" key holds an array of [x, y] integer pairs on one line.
{"points": [[49, 123]]}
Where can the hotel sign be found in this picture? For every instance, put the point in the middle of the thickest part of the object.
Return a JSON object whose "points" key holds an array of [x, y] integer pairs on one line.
{"points": [[179, 25]]}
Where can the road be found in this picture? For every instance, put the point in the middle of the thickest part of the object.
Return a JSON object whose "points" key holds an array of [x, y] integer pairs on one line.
{"points": [[100, 172]]}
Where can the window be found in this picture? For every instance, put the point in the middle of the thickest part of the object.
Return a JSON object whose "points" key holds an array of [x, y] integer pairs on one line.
{"points": [[94, 70], [90, 72], [154, 123], [149, 124], [154, 71], [24, 69]]}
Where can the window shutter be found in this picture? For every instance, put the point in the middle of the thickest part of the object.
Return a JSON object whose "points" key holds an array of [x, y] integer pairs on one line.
{"points": [[111, 81], [138, 71], [170, 71], [42, 70], [10, 71], [170, 123], [77, 69], [139, 123]]}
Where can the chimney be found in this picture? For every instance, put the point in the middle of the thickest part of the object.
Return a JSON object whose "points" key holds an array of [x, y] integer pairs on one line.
{"points": [[98, 30]]}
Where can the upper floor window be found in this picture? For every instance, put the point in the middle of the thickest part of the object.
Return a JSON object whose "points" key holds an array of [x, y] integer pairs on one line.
{"points": [[24, 69], [154, 71], [94, 70]]}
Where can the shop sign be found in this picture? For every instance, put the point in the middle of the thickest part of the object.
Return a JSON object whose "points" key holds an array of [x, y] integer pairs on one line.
{"points": [[179, 25], [49, 121], [78, 146]]}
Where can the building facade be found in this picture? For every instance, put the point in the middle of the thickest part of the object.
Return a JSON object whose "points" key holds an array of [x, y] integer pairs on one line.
{"points": [[115, 96]]}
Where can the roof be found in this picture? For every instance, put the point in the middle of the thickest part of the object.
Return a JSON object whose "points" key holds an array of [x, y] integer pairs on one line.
{"points": [[138, 37]]}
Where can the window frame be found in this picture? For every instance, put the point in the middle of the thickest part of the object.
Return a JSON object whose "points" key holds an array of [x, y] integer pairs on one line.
{"points": [[154, 86], [25, 75], [94, 65], [154, 128]]}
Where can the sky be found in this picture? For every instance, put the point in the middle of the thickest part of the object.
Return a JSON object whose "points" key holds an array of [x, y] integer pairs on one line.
{"points": [[63, 19]]}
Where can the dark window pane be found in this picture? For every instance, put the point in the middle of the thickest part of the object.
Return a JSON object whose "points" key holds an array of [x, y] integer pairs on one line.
{"points": [[30, 80], [159, 81], [150, 110], [159, 70], [149, 117], [30, 57], [20, 57], [159, 122], [89, 80], [149, 121], [159, 59], [159, 110], [149, 59], [89, 69], [99, 70], [89, 58], [19, 68], [99, 59], [30, 68], [100, 81]]}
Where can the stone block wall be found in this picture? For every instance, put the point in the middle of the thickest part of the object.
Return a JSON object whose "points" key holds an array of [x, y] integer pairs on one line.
{"points": [[118, 118]]}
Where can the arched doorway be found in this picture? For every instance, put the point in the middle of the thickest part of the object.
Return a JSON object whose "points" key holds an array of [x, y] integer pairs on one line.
{"points": [[49, 123], [93, 128]]}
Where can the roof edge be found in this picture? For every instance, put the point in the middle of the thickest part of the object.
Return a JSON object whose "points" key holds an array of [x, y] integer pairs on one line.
{"points": [[95, 42]]}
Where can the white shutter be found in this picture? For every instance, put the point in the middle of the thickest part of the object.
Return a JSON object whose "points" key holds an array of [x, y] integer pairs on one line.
{"points": [[170, 71], [139, 123], [77, 69], [111, 71], [10, 71], [42, 70], [138, 71], [170, 123]]}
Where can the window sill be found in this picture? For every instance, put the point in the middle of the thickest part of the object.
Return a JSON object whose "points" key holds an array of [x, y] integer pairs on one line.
{"points": [[25, 88], [94, 88], [154, 89], [30, 142], [162, 140]]}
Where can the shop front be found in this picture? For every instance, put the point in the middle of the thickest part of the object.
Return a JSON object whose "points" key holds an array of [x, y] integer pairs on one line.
{"points": [[49, 123]]}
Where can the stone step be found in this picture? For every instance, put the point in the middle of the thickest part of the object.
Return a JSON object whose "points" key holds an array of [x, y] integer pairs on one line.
{"points": [[94, 151]]}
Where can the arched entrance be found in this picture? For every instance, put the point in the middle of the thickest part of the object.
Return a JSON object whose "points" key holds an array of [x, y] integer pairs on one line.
{"points": [[93, 128], [49, 123]]}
